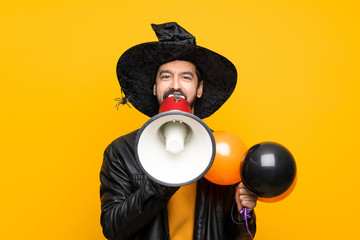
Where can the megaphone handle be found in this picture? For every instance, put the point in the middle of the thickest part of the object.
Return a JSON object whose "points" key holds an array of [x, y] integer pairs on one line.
{"points": [[245, 215]]}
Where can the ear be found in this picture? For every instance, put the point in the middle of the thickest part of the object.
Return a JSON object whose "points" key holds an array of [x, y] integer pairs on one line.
{"points": [[154, 89], [200, 89]]}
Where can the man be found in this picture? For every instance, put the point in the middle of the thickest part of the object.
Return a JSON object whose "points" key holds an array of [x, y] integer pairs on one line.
{"points": [[135, 207]]}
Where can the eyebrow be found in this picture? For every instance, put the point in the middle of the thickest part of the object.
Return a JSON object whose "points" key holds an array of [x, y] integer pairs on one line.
{"points": [[164, 71], [182, 73], [187, 73]]}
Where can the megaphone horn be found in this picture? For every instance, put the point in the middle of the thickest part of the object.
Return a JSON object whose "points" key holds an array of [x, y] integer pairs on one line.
{"points": [[175, 147]]}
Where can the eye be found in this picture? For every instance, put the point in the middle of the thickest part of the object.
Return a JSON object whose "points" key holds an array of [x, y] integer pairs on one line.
{"points": [[187, 77], [165, 76]]}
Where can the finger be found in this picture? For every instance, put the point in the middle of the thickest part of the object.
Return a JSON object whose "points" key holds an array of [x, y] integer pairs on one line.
{"points": [[247, 198], [238, 204], [249, 204], [238, 201], [241, 185], [244, 191]]}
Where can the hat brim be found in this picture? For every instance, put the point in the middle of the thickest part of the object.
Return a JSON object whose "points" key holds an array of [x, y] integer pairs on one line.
{"points": [[135, 71]]}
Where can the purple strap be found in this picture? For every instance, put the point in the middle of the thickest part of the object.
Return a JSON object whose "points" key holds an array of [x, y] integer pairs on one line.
{"points": [[245, 214]]}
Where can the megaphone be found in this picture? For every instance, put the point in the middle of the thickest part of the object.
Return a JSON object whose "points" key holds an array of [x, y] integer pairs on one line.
{"points": [[175, 147]]}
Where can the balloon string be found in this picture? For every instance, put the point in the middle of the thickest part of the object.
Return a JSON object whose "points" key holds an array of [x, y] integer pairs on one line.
{"points": [[245, 214]]}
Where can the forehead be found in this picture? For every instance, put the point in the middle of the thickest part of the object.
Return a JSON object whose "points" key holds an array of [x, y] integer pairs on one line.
{"points": [[178, 66]]}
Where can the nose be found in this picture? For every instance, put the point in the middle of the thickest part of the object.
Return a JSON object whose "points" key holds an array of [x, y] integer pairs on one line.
{"points": [[175, 84]]}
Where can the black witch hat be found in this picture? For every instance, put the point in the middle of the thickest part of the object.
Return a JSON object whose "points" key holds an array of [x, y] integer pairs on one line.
{"points": [[136, 70]]}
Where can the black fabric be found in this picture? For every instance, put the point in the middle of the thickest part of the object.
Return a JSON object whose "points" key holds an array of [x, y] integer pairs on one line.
{"points": [[134, 208], [136, 66], [171, 32]]}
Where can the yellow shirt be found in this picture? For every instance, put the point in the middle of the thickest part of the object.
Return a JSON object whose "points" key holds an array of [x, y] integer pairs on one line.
{"points": [[181, 213]]}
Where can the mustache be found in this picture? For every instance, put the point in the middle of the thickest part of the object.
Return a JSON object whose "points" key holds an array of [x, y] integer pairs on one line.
{"points": [[173, 91]]}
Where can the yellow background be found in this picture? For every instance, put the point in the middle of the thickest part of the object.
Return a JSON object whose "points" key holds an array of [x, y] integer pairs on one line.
{"points": [[298, 69]]}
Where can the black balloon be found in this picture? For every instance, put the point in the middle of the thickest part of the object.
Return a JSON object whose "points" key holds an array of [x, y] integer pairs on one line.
{"points": [[268, 170]]}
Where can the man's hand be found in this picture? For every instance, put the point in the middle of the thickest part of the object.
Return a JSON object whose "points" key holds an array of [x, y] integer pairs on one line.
{"points": [[244, 198], [161, 191]]}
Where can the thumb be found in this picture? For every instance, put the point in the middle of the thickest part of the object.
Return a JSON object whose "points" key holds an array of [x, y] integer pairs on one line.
{"points": [[237, 198]]}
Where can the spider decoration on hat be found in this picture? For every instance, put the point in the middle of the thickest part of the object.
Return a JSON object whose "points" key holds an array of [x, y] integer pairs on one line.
{"points": [[121, 101]]}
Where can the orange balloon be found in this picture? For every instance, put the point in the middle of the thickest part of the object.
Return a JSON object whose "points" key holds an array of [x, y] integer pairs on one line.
{"points": [[230, 150], [282, 196]]}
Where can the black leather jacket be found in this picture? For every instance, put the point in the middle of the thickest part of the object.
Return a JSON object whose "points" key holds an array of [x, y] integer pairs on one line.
{"points": [[133, 207]]}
